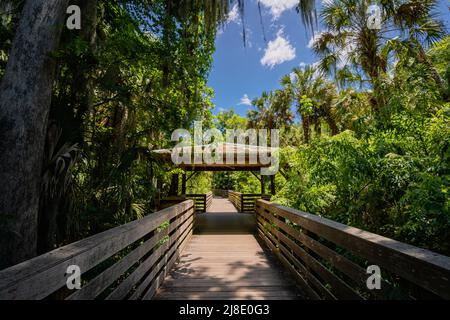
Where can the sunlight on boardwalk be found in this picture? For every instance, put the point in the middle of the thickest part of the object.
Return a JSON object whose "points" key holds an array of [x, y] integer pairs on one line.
{"points": [[226, 267], [222, 205], [225, 261]]}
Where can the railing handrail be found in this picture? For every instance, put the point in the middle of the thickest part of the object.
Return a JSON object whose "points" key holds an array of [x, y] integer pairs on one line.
{"points": [[199, 194], [44, 275], [245, 202], [202, 200], [426, 269]]}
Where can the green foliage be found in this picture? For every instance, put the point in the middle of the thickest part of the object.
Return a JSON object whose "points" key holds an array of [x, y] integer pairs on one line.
{"points": [[388, 169], [9, 16], [394, 182], [121, 95], [244, 182], [229, 120], [378, 158], [306, 106], [440, 55], [200, 184]]}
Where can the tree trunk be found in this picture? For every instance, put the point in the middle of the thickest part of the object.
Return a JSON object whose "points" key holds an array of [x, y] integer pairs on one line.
{"points": [[52, 209], [25, 94], [318, 127], [88, 33], [306, 128], [332, 124]]}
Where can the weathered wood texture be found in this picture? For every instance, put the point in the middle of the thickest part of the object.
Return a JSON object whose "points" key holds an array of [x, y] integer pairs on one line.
{"points": [[223, 218], [224, 260], [125, 262], [221, 205], [329, 259], [227, 267], [245, 202], [202, 201], [235, 198]]}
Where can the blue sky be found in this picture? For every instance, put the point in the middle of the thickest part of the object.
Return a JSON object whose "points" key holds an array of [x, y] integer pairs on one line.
{"points": [[240, 73]]}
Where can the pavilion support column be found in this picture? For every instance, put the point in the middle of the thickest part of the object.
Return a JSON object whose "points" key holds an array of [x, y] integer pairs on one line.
{"points": [[174, 184], [183, 184], [272, 185], [263, 186], [159, 186]]}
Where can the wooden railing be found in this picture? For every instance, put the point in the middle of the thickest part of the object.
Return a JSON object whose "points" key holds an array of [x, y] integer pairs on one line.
{"points": [[202, 201], [235, 198], [245, 202], [220, 193], [127, 262], [330, 260]]}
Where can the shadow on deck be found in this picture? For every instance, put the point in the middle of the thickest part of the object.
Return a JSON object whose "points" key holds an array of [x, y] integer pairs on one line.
{"points": [[223, 219], [177, 254], [224, 260]]}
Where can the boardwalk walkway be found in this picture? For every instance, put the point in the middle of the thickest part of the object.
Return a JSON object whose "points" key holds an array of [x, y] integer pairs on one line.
{"points": [[224, 260]]}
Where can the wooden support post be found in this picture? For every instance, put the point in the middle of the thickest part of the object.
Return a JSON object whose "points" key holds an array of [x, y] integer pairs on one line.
{"points": [[241, 201], [256, 176], [193, 174], [183, 184], [174, 184], [263, 186], [272, 185]]}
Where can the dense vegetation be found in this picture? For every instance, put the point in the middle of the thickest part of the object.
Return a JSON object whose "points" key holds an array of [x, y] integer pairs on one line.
{"points": [[135, 72], [365, 136], [379, 155]]}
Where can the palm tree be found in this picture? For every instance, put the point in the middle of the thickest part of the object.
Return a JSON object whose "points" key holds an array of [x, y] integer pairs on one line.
{"points": [[272, 111], [216, 12], [313, 96], [349, 46], [415, 20]]}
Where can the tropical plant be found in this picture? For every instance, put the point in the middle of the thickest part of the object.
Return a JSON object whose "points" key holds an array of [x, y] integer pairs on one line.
{"points": [[313, 97], [272, 111], [348, 47]]}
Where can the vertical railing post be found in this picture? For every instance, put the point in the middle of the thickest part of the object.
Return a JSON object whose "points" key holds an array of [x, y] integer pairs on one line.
{"points": [[241, 209], [263, 185], [272, 185], [183, 184]]}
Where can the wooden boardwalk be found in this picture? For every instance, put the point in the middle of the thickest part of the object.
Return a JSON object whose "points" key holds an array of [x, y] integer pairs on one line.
{"points": [[224, 261]]}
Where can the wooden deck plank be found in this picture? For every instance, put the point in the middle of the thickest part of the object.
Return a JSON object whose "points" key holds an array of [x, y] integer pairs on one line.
{"points": [[254, 294], [221, 205], [224, 261]]}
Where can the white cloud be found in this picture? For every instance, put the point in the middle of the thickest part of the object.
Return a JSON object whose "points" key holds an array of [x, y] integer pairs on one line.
{"points": [[302, 65], [278, 51], [245, 100], [277, 7], [233, 15]]}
